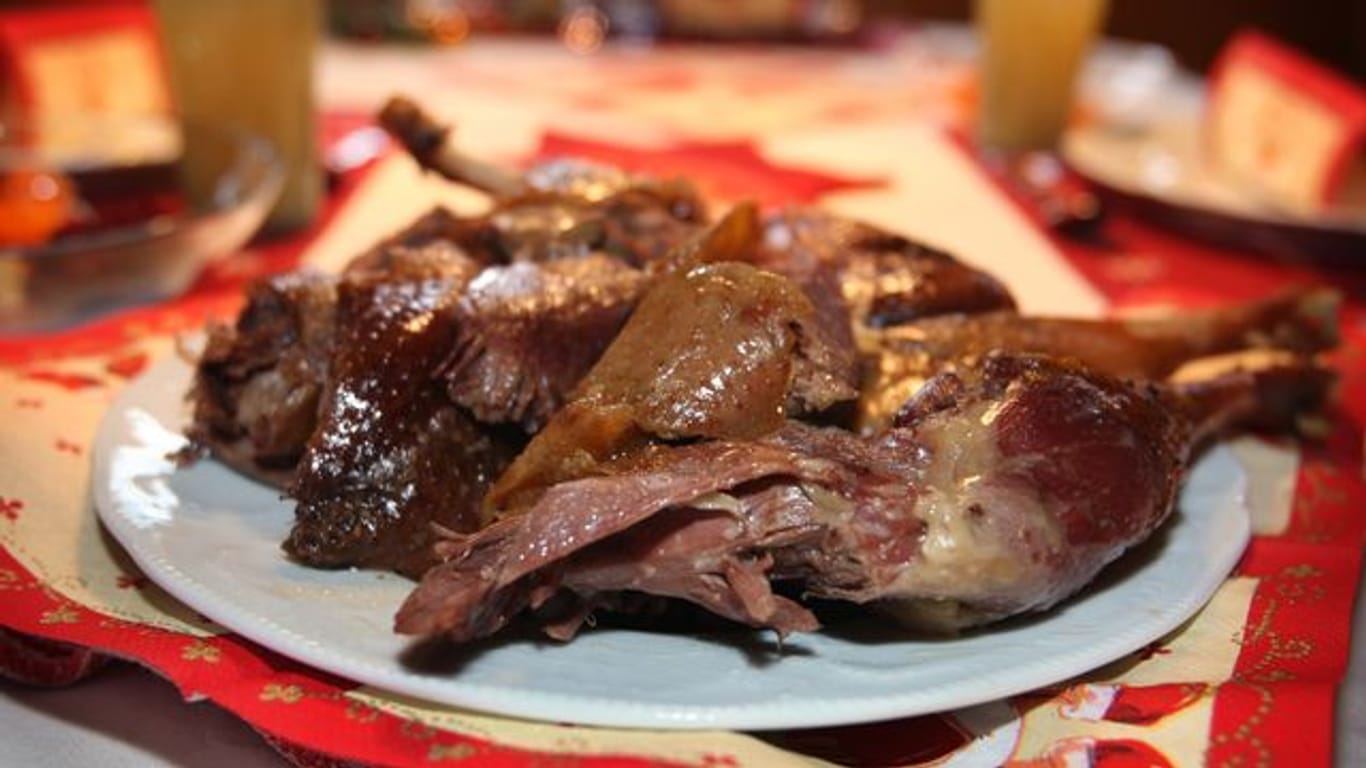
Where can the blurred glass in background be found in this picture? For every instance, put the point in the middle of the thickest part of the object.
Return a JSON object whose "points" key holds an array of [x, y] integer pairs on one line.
{"points": [[248, 64], [1031, 53]]}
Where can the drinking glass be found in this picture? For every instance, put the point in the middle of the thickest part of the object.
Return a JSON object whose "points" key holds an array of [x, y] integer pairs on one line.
{"points": [[1031, 51], [248, 64]]}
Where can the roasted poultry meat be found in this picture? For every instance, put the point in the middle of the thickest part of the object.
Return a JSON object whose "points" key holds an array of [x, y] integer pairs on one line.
{"points": [[1001, 486], [595, 397]]}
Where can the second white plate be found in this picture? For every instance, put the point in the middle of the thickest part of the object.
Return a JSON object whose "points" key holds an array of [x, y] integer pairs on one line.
{"points": [[1161, 161]]}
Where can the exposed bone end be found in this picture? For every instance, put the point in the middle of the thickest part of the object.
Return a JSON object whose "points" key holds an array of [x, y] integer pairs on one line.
{"points": [[1255, 389], [1214, 366], [415, 129], [430, 144], [1301, 320]]}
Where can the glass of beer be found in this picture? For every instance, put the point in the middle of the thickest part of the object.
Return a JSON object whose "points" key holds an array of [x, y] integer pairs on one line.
{"points": [[1031, 51], [248, 64]]}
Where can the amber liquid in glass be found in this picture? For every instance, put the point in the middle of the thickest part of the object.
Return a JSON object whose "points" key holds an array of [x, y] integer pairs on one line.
{"points": [[249, 63], [1031, 52]]}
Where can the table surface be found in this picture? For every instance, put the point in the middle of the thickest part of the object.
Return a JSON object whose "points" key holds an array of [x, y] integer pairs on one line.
{"points": [[119, 718], [124, 715]]}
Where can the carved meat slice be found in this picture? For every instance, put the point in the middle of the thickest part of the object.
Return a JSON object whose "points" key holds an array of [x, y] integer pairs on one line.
{"points": [[887, 279], [391, 454], [259, 381], [526, 334], [721, 350]]}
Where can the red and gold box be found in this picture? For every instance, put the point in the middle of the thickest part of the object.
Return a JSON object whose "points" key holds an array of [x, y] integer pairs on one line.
{"points": [[76, 58], [1287, 127]]}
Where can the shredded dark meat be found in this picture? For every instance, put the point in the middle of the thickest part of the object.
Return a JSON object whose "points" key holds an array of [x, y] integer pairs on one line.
{"points": [[1005, 498], [490, 577], [259, 381]]}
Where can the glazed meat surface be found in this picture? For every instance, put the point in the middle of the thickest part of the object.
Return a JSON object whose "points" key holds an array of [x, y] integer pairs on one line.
{"points": [[391, 455], [886, 278]]}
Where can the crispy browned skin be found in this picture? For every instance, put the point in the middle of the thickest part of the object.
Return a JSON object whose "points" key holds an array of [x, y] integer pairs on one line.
{"points": [[391, 454], [901, 359], [258, 384], [887, 279]]}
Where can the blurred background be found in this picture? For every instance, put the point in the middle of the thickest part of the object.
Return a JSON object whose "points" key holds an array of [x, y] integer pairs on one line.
{"points": [[286, 70], [1328, 30], [1332, 30]]}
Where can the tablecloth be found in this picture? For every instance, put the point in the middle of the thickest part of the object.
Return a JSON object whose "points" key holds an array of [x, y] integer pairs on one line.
{"points": [[1250, 680]]}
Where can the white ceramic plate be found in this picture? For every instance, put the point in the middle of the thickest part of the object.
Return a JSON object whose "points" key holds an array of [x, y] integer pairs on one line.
{"points": [[1161, 161], [211, 538]]}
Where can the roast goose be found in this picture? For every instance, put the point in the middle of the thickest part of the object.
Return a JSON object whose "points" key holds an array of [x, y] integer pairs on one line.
{"points": [[596, 396]]}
